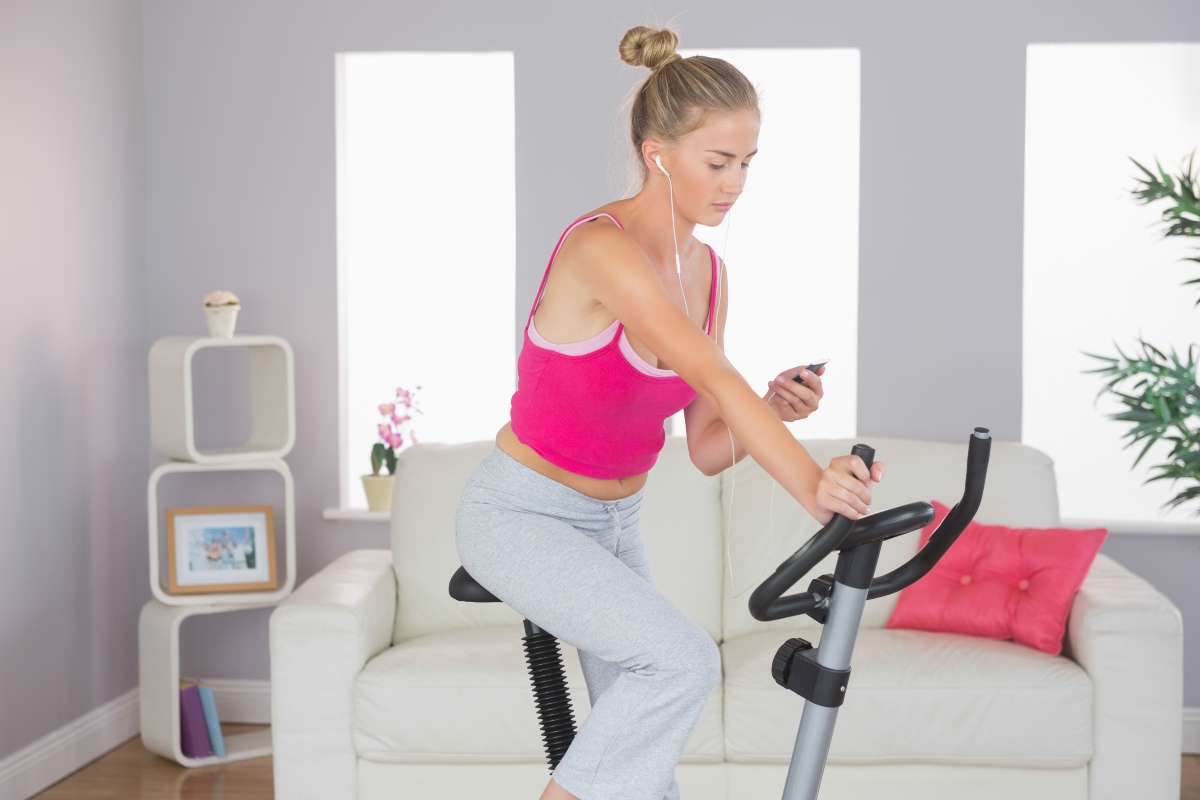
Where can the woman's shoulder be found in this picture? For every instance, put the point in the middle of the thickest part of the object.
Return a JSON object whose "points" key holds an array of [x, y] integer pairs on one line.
{"points": [[599, 236], [606, 217]]}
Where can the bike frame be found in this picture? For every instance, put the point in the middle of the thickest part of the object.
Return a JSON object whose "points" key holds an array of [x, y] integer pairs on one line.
{"points": [[821, 675]]}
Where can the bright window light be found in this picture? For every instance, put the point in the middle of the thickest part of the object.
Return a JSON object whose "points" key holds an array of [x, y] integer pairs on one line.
{"points": [[1097, 269], [793, 235], [426, 246]]}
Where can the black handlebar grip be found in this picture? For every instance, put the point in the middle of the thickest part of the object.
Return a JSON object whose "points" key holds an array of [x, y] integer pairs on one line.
{"points": [[978, 454], [867, 454]]}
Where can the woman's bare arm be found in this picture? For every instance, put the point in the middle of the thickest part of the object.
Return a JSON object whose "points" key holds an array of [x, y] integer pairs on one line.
{"points": [[708, 437], [623, 280]]}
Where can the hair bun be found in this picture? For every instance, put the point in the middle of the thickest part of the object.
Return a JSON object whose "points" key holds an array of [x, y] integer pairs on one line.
{"points": [[647, 47]]}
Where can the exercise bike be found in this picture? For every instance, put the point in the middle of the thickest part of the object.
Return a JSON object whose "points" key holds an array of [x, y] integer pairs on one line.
{"points": [[821, 674]]}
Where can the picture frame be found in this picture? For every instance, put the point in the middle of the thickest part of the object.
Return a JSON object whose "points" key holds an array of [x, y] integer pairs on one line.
{"points": [[221, 549]]}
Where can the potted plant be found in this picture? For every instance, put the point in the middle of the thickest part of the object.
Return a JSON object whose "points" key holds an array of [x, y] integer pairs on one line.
{"points": [[220, 311], [396, 425], [1158, 386]]}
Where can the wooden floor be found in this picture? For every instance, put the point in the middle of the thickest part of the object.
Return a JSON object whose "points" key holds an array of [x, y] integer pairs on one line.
{"points": [[132, 773], [1191, 778]]}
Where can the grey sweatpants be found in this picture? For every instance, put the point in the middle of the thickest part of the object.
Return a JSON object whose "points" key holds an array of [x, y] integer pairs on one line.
{"points": [[576, 567]]}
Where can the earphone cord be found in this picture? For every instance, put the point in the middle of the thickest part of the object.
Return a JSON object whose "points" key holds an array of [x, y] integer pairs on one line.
{"points": [[733, 461], [678, 266], [732, 448]]}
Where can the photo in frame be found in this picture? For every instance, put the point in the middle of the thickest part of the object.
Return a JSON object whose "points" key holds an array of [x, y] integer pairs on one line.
{"points": [[220, 549]]}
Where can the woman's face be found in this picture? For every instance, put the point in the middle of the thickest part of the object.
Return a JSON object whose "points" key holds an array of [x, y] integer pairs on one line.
{"points": [[708, 166]]}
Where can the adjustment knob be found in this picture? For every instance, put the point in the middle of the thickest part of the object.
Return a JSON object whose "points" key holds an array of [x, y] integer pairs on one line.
{"points": [[781, 667]]}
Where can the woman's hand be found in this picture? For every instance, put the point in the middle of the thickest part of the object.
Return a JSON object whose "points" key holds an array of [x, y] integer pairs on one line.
{"points": [[845, 488], [792, 401]]}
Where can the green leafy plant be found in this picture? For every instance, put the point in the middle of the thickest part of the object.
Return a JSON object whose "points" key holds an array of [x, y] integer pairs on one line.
{"points": [[1163, 404], [1182, 217], [1158, 389]]}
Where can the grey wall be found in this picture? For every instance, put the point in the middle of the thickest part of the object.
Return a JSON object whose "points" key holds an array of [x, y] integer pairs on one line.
{"points": [[240, 183], [73, 430]]}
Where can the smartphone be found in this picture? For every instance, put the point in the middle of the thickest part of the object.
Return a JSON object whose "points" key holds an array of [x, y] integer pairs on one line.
{"points": [[813, 367]]}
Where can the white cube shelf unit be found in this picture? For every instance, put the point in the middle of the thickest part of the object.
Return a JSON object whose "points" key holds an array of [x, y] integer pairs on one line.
{"points": [[230, 598], [173, 434], [272, 397], [158, 687]]}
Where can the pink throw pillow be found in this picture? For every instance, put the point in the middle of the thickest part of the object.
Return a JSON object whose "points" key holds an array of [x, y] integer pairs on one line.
{"points": [[1001, 583]]}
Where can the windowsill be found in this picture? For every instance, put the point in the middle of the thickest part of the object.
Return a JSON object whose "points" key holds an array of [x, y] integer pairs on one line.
{"points": [[1125, 527], [355, 515]]}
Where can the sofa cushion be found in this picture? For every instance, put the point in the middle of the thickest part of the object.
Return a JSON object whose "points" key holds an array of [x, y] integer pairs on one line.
{"points": [[1021, 492], [429, 481], [920, 696], [1001, 583], [465, 696], [681, 525]]}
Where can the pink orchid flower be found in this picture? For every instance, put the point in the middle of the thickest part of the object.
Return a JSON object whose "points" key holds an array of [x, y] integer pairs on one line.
{"points": [[396, 414]]}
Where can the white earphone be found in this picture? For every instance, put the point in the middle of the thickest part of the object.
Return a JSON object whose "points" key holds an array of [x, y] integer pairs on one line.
{"points": [[678, 265]]}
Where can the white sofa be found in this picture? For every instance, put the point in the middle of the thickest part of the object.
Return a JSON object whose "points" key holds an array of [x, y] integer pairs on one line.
{"points": [[382, 686]]}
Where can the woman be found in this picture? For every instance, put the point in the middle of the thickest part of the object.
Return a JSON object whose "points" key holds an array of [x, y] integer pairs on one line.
{"points": [[626, 330]]}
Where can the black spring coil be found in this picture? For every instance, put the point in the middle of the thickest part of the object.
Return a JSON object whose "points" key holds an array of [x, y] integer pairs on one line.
{"points": [[550, 694]]}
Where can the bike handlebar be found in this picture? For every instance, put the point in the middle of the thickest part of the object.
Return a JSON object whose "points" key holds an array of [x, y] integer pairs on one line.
{"points": [[978, 453], [768, 603]]}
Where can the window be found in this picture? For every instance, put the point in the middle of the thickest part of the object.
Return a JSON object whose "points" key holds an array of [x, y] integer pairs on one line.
{"points": [[793, 235], [1097, 269], [426, 245]]}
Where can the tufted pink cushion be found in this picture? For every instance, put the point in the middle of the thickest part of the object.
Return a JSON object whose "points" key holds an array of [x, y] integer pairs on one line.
{"points": [[1001, 583]]}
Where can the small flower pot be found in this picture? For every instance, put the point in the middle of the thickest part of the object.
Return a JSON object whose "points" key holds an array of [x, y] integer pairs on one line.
{"points": [[379, 491], [221, 320]]}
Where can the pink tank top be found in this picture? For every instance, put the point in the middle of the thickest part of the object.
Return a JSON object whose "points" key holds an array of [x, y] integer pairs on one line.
{"points": [[595, 407]]}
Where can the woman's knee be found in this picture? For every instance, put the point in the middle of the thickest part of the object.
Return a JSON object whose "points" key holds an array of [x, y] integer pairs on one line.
{"points": [[697, 659], [708, 664]]}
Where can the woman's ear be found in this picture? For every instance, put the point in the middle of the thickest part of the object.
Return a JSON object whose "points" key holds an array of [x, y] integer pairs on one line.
{"points": [[650, 149]]}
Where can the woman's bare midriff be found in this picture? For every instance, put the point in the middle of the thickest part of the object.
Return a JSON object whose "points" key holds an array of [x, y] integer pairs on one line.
{"points": [[598, 488]]}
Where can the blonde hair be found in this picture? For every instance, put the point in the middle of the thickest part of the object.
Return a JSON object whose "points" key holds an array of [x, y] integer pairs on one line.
{"points": [[674, 100]]}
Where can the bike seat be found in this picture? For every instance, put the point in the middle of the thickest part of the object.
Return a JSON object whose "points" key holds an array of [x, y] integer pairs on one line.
{"points": [[465, 588]]}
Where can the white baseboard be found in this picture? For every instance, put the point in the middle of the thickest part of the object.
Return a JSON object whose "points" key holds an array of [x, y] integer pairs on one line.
{"points": [[247, 702], [1191, 730], [59, 753]]}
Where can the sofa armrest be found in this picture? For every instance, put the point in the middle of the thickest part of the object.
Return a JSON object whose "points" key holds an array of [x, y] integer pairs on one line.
{"points": [[321, 637], [1129, 638]]}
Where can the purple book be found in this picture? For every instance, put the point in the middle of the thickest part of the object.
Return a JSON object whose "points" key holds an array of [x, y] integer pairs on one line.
{"points": [[193, 733]]}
